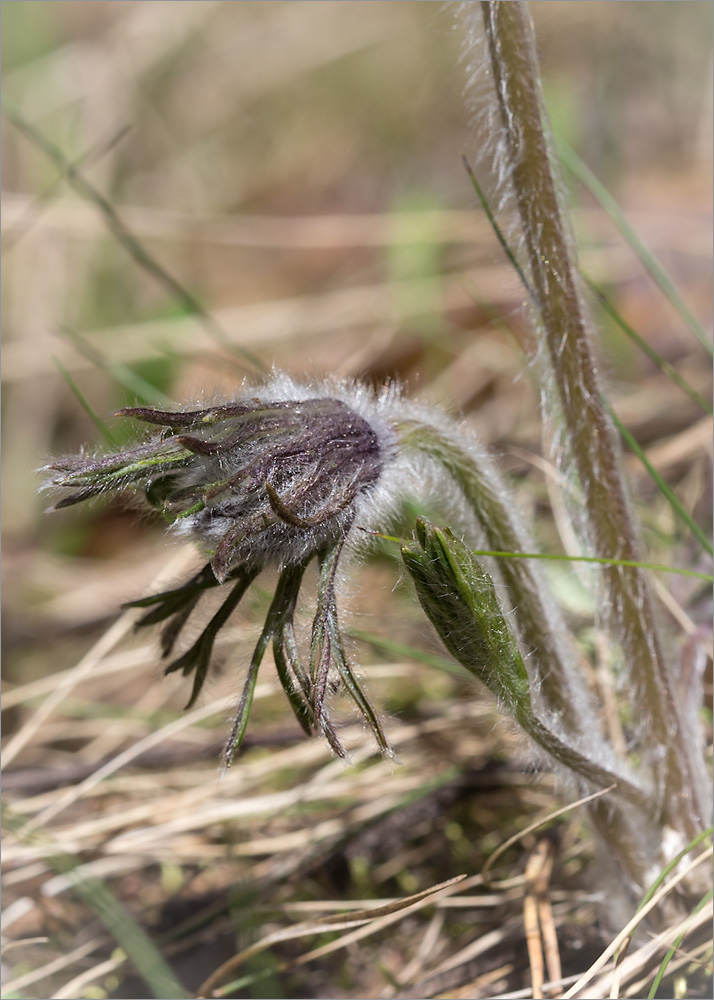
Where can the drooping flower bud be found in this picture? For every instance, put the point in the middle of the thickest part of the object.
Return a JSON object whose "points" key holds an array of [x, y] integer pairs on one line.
{"points": [[253, 482], [286, 473], [275, 477]]}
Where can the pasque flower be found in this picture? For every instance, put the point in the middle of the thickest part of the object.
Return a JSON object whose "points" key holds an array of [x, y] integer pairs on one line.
{"points": [[286, 473], [278, 476]]}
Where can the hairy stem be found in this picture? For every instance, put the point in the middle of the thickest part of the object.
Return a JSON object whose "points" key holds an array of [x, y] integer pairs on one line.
{"points": [[564, 333], [542, 638], [459, 597]]}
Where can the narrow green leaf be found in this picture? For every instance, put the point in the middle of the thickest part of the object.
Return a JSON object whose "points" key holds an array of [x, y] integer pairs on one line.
{"points": [[664, 488], [198, 657], [167, 609], [321, 638], [498, 232], [673, 950], [400, 651], [291, 673], [246, 700], [602, 560], [126, 238], [572, 161], [203, 580], [664, 366], [84, 402], [34, 211], [354, 688], [287, 674], [129, 935], [120, 373], [671, 865]]}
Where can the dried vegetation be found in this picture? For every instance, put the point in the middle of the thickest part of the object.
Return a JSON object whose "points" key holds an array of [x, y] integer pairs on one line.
{"points": [[295, 168]]}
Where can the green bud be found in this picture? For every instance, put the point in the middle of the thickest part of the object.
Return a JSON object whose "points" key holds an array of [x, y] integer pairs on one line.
{"points": [[459, 598]]}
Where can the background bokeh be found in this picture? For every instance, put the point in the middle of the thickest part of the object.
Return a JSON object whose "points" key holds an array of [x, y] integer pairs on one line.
{"points": [[295, 168]]}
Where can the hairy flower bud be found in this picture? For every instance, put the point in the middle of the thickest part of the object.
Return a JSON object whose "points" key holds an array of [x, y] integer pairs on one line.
{"points": [[285, 473], [277, 476], [252, 482]]}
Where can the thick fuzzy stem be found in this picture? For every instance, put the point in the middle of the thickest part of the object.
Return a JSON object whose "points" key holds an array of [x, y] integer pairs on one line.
{"points": [[542, 636], [459, 597], [563, 327]]}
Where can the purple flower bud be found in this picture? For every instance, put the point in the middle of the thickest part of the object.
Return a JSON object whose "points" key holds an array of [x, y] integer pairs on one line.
{"points": [[278, 477], [262, 480], [276, 482], [282, 475]]}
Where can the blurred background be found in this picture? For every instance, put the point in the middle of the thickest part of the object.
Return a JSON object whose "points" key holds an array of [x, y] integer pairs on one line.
{"points": [[185, 182]]}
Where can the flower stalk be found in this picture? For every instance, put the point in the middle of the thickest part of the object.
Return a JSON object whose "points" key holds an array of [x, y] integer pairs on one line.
{"points": [[458, 596], [284, 475], [573, 408], [543, 635]]}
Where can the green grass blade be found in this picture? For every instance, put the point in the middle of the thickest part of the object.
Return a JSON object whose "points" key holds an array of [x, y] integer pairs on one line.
{"points": [[126, 238], [664, 488], [673, 950], [84, 402], [35, 210], [664, 366], [400, 650], [129, 935], [602, 560], [560, 557], [659, 881], [576, 166], [120, 373], [671, 865], [497, 230]]}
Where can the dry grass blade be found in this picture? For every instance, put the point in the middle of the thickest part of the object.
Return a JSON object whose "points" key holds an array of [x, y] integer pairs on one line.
{"points": [[627, 930], [58, 965], [327, 230], [541, 938], [377, 918], [115, 917], [122, 759], [645, 959], [75, 986], [126, 660], [87, 665], [488, 883], [699, 959]]}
